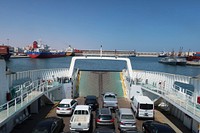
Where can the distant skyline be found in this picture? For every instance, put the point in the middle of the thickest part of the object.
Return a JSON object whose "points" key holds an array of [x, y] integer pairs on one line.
{"points": [[141, 25]]}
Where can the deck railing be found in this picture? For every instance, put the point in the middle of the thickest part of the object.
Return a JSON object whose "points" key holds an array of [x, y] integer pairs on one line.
{"points": [[27, 95], [162, 84], [187, 103]]}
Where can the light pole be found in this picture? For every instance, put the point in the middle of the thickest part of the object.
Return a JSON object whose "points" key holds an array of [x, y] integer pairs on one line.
{"points": [[101, 51], [8, 41]]}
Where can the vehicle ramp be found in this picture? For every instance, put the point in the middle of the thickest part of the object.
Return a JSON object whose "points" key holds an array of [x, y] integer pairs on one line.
{"points": [[98, 82]]}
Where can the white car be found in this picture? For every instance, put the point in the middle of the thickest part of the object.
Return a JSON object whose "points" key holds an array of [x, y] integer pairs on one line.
{"points": [[81, 118], [110, 100], [66, 107]]}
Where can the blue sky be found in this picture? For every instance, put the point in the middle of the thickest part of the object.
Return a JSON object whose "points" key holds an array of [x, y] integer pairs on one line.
{"points": [[141, 25]]}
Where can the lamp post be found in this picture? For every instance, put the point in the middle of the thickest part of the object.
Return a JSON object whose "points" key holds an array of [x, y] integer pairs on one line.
{"points": [[101, 51], [8, 41]]}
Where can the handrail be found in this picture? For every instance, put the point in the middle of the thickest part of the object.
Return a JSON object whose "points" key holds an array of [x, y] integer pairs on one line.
{"points": [[185, 101], [27, 95]]}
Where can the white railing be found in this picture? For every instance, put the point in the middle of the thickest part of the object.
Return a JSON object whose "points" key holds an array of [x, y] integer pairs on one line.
{"points": [[37, 74], [161, 84], [184, 101], [27, 95]]}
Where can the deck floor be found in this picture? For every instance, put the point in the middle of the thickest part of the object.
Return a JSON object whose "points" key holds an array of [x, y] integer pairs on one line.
{"points": [[99, 82]]}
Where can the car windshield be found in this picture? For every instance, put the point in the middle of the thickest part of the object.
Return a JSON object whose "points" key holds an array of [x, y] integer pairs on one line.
{"points": [[164, 129], [127, 117], [146, 106], [90, 101], [80, 112], [105, 117], [63, 105], [42, 130]]}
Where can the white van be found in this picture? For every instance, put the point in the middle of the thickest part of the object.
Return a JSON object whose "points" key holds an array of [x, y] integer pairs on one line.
{"points": [[142, 106]]}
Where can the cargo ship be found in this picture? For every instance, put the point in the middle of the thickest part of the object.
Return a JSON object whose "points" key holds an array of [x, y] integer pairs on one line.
{"points": [[43, 51], [6, 52]]}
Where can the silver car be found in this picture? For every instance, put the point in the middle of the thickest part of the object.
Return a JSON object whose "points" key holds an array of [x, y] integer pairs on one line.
{"points": [[110, 100], [125, 119]]}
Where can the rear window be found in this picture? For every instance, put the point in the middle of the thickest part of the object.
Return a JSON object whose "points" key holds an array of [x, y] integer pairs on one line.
{"points": [[127, 117], [105, 117], [146, 106], [110, 96], [80, 112], [63, 105]]}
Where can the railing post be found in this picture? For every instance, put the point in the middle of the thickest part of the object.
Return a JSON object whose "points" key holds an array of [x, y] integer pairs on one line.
{"points": [[21, 95], [7, 109], [27, 97], [15, 104]]}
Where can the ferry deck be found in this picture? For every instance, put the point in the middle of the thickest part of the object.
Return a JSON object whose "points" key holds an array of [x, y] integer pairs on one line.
{"points": [[50, 86]]}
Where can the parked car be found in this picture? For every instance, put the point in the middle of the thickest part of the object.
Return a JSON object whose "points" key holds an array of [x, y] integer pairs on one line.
{"points": [[125, 119], [92, 101], [66, 107], [104, 130], [110, 100], [49, 125], [104, 117], [156, 127], [81, 118], [143, 107]]}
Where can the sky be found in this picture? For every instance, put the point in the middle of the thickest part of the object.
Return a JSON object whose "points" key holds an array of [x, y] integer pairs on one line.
{"points": [[141, 25]]}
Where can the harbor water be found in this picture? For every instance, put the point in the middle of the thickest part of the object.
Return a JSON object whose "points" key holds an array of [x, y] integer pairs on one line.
{"points": [[138, 63]]}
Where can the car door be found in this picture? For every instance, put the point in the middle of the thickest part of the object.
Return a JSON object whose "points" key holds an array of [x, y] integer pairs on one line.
{"points": [[54, 128], [117, 116], [73, 104]]}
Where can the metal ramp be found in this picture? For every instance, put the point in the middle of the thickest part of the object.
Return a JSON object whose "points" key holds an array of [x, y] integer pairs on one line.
{"points": [[96, 83]]}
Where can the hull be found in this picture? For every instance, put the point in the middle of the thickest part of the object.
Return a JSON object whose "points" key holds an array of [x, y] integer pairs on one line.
{"points": [[169, 63], [168, 60], [70, 54], [193, 58], [5, 52], [6, 57], [46, 54]]}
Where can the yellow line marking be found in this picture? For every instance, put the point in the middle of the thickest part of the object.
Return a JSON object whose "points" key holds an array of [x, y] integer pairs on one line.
{"points": [[123, 84]]}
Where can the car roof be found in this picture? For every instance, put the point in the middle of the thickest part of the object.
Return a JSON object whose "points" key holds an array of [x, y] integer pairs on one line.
{"points": [[91, 97], [125, 110], [66, 101], [82, 107], [109, 93], [159, 125], [47, 121], [144, 99]]}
